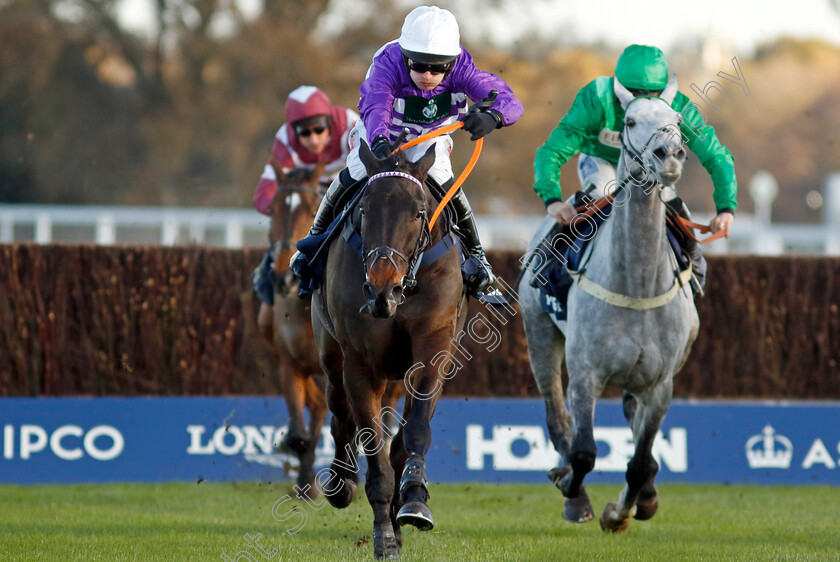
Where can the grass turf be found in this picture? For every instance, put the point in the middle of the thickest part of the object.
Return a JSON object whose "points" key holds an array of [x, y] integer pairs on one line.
{"points": [[473, 522]]}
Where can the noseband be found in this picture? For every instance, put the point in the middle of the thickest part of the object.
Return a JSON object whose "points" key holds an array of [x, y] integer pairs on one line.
{"points": [[407, 281], [635, 153]]}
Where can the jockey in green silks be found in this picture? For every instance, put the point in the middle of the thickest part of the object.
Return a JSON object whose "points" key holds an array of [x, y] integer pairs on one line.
{"points": [[591, 128]]}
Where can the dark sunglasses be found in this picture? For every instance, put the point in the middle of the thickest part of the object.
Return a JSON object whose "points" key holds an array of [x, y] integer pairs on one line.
{"points": [[422, 68], [316, 130]]}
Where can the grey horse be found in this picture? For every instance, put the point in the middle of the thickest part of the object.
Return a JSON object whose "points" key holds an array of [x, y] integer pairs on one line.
{"points": [[631, 319]]}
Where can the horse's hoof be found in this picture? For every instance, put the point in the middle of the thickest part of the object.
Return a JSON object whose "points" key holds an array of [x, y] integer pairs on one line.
{"points": [[610, 523], [417, 514], [646, 507], [579, 509], [342, 497], [385, 542], [308, 484]]}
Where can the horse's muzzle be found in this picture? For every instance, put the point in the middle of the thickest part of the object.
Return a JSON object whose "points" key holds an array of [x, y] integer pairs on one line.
{"points": [[670, 178], [383, 303]]}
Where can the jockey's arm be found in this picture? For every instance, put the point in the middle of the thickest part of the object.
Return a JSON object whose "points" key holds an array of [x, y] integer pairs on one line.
{"points": [[478, 84], [715, 158], [584, 117]]}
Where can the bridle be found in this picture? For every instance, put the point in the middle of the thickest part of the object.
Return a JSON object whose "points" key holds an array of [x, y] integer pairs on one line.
{"points": [[634, 153], [388, 253]]}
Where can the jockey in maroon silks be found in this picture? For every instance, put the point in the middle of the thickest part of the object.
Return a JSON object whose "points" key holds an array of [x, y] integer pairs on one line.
{"points": [[315, 131], [421, 82]]}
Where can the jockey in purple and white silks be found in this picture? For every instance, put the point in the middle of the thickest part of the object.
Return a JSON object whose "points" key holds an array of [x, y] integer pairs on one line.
{"points": [[422, 82]]}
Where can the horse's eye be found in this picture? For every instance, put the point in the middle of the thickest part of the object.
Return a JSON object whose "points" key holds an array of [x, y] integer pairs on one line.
{"points": [[630, 122], [362, 211], [420, 214]]}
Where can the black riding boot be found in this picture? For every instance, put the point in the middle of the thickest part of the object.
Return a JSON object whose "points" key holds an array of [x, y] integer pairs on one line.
{"points": [[465, 223], [692, 247], [326, 210]]}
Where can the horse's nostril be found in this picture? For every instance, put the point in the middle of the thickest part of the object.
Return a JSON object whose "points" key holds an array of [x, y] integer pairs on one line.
{"points": [[367, 291]]}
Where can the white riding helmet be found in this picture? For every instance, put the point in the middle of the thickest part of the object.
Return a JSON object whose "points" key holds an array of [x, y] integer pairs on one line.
{"points": [[430, 35]]}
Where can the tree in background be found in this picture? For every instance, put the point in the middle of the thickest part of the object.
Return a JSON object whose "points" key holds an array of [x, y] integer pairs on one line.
{"points": [[92, 113]]}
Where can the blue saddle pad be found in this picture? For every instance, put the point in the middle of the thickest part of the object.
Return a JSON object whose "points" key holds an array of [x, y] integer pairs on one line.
{"points": [[310, 271], [557, 281]]}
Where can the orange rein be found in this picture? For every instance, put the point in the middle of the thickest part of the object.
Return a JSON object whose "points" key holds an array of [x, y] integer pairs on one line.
{"points": [[467, 169], [687, 225], [684, 225]]}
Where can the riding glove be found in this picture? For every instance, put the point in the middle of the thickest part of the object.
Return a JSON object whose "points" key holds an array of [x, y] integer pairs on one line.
{"points": [[381, 147], [481, 123]]}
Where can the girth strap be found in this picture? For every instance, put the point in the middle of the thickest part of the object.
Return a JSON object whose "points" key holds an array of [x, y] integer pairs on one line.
{"points": [[624, 301]]}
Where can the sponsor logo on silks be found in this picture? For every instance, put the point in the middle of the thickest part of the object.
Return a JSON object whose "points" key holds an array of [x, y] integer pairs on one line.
{"points": [[256, 444], [762, 451], [609, 138], [526, 447], [423, 111], [67, 442]]}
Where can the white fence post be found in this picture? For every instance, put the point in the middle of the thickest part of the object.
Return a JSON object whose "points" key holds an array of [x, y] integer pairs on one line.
{"points": [[43, 228], [169, 233], [233, 233], [106, 230]]}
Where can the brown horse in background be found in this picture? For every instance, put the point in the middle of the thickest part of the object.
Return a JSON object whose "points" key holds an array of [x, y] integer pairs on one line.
{"points": [[371, 327], [290, 334]]}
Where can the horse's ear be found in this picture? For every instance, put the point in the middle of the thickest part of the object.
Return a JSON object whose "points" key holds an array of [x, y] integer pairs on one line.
{"points": [[623, 94], [367, 157], [670, 91], [425, 163]]}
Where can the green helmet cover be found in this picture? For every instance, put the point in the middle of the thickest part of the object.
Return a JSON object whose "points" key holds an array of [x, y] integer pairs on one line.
{"points": [[642, 67]]}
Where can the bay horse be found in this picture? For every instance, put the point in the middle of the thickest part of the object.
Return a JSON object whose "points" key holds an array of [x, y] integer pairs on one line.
{"points": [[372, 326], [639, 339], [290, 337]]}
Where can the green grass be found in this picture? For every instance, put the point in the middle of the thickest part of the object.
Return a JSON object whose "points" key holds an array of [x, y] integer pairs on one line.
{"points": [[474, 522]]}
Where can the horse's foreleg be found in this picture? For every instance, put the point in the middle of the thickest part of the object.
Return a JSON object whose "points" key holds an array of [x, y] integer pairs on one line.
{"points": [[424, 384], [582, 454], [341, 486], [294, 392], [639, 498], [317, 407], [398, 457], [389, 401], [364, 392]]}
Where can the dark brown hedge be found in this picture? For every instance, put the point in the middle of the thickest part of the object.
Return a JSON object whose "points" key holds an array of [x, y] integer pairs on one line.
{"points": [[91, 320]]}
